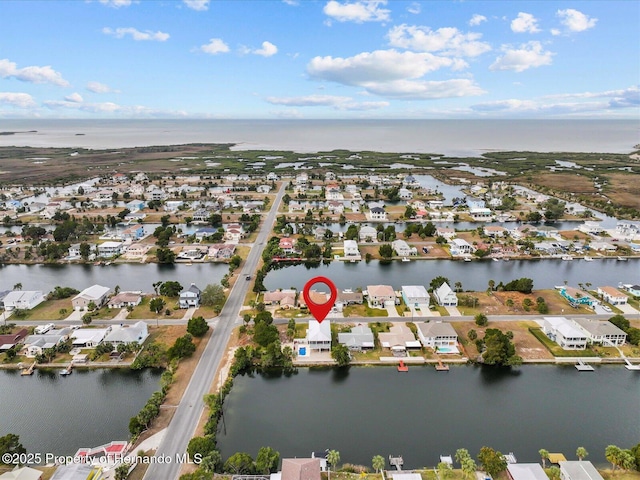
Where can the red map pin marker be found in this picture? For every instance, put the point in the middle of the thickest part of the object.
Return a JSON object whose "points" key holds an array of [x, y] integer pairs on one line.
{"points": [[320, 310]]}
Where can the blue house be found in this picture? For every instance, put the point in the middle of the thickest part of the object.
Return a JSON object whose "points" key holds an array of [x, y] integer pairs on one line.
{"points": [[473, 202], [135, 205], [576, 296]]}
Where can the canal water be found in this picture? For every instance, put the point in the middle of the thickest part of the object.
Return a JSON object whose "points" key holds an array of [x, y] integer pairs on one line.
{"points": [[362, 412], [129, 276], [473, 275], [56, 414]]}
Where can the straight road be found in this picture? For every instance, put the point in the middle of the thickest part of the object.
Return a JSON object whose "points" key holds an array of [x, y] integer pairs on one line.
{"points": [[184, 422]]}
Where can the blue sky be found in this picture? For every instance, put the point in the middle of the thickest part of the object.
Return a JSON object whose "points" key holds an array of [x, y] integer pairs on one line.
{"points": [[319, 59]]}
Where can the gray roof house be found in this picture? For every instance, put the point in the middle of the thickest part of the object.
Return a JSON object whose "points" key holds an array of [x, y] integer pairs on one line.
{"points": [[526, 471], [579, 470], [135, 333], [95, 293], [190, 297], [360, 337], [445, 296], [437, 334]]}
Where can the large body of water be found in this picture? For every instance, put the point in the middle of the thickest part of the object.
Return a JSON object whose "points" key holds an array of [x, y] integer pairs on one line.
{"points": [[473, 275], [449, 137], [362, 412], [129, 276], [56, 414]]}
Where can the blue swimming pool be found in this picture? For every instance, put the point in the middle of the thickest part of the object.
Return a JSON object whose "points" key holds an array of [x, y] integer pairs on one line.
{"points": [[448, 350], [302, 351]]}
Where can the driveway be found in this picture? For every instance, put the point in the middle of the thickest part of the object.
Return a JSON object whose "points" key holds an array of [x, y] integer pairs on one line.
{"points": [[627, 309], [76, 315], [453, 311]]}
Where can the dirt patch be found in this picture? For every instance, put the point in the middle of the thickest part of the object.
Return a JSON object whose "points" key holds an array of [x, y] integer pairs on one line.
{"points": [[624, 189], [564, 182]]}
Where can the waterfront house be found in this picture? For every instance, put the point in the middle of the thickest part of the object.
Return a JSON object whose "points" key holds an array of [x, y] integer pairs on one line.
{"points": [[633, 290], [565, 333], [547, 231], [446, 232], [125, 299], [284, 298], [233, 232], [78, 471], [110, 249], [435, 204], [460, 246], [601, 332], [135, 205], [120, 334], [319, 335], [603, 246], [577, 297], [351, 250], [445, 296], [398, 338], [627, 228], [263, 188], [526, 471], [437, 335], [204, 232], [89, 337], [133, 233], [286, 245], [359, 338], [299, 469], [96, 294], [405, 194], [579, 470], [591, 228], [11, 340], [36, 344], [377, 214], [473, 202], [22, 300], [190, 297], [523, 231], [612, 295], [347, 297], [221, 250], [137, 250], [403, 249], [415, 295], [22, 473], [157, 194], [381, 295], [335, 207], [495, 231], [368, 234]]}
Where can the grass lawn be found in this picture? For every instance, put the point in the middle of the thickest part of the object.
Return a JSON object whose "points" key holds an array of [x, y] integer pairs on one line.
{"points": [[619, 475], [48, 310], [206, 312], [363, 311], [141, 312]]}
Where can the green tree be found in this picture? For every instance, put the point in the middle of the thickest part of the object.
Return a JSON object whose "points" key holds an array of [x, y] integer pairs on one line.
{"points": [[385, 250], [212, 462], [613, 453], [165, 255], [581, 453], [491, 461], [122, 471], [340, 353], [544, 455], [472, 335], [202, 446], [156, 305], [182, 347], [10, 444], [554, 473], [438, 281], [481, 320], [621, 322], [170, 288], [264, 334], [267, 461], [378, 463], [469, 467], [499, 349], [213, 294], [239, 463], [197, 326], [333, 458], [444, 470]]}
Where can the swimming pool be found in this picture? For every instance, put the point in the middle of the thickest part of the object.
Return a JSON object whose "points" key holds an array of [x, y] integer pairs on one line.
{"points": [[302, 351], [448, 350]]}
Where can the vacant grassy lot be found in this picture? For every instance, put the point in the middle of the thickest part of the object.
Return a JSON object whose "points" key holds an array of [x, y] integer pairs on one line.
{"points": [[48, 310]]}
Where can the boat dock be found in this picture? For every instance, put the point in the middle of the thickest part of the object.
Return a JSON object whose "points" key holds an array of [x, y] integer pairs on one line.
{"points": [[402, 367], [29, 370], [583, 367], [441, 367], [67, 370], [396, 462]]}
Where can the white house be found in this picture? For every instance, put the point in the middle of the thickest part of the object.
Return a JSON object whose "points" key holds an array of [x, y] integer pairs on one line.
{"points": [[351, 250], [403, 249], [110, 249], [579, 470], [377, 214], [459, 246], [601, 332], [437, 334], [368, 234], [565, 333], [125, 299], [445, 296], [96, 294], [359, 338], [526, 471], [495, 231], [89, 337], [446, 232], [415, 295], [137, 332], [381, 295], [405, 194], [22, 300], [612, 295], [319, 335], [627, 228], [190, 297], [591, 228], [398, 338]]}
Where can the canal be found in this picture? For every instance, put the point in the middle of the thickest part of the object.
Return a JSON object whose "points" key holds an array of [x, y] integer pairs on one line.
{"points": [[56, 414], [362, 412], [473, 275], [130, 276]]}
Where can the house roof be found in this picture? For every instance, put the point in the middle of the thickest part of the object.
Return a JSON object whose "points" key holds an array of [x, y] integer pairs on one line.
{"points": [[24, 473], [580, 470], [73, 471], [19, 296], [134, 333], [319, 332], [380, 291], [566, 328], [300, 469], [13, 338], [359, 336], [436, 329], [612, 291], [526, 471], [415, 291], [443, 290], [350, 297], [192, 289], [398, 334], [86, 335], [125, 297], [93, 292], [598, 328]]}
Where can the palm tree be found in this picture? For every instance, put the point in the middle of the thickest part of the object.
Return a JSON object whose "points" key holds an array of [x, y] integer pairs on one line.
{"points": [[458, 286], [492, 284], [469, 467], [581, 453], [544, 455], [461, 455], [378, 463], [612, 454], [554, 473], [17, 286], [333, 458]]}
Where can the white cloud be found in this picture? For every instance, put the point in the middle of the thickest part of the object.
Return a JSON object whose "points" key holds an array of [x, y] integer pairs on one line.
{"points": [[97, 87], [31, 74], [116, 3], [555, 32], [268, 50], [199, 5], [137, 35], [15, 99], [215, 46], [477, 20], [426, 90], [575, 20], [415, 8], [74, 97], [359, 11], [446, 41], [112, 109], [293, 3], [337, 102], [525, 23], [529, 55], [377, 66], [628, 97]]}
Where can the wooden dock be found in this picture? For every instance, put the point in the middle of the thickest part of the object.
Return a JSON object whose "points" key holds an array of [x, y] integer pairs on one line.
{"points": [[402, 367], [441, 367], [67, 370], [583, 367], [29, 371], [396, 462]]}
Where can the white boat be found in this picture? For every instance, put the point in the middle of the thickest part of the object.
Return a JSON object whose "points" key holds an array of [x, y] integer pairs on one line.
{"points": [[495, 259], [588, 259], [405, 259], [622, 259], [467, 259], [567, 258]]}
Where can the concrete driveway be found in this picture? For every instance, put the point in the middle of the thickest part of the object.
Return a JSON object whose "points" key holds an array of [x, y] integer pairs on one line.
{"points": [[627, 309]]}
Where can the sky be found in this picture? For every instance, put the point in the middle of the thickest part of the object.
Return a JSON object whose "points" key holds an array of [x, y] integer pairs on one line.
{"points": [[334, 59]]}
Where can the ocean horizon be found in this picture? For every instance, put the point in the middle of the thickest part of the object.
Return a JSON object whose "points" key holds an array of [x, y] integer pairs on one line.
{"points": [[445, 137]]}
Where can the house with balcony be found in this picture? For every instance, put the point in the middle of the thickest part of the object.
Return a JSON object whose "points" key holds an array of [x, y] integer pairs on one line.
{"points": [[445, 296], [287, 245], [351, 250], [381, 295], [591, 228], [133, 233], [601, 332], [437, 335], [368, 234], [319, 335], [565, 333], [495, 231], [403, 249], [612, 295], [459, 246], [190, 297], [377, 214], [110, 249], [96, 294]]}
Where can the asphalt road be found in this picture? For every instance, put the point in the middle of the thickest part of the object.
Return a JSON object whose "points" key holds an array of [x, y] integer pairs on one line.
{"points": [[184, 422]]}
